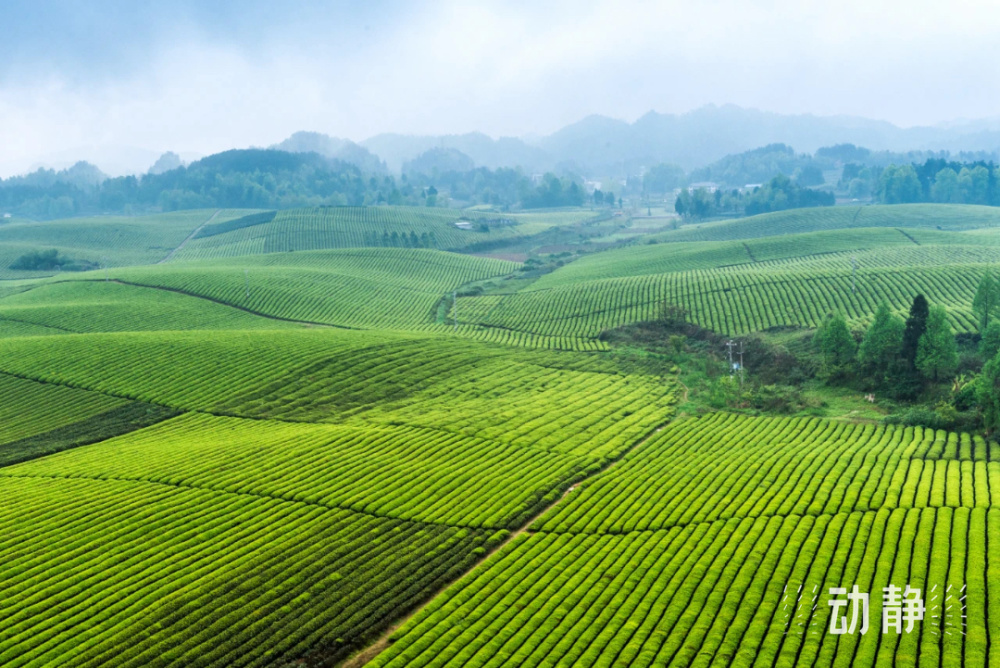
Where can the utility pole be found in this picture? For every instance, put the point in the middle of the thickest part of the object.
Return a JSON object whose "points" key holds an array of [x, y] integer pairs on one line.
{"points": [[741, 366], [729, 346], [246, 281], [454, 308]]}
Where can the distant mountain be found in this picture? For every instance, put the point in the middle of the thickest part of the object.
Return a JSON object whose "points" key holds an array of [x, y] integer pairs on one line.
{"points": [[485, 151], [333, 147], [438, 161], [82, 175], [598, 144], [166, 162]]}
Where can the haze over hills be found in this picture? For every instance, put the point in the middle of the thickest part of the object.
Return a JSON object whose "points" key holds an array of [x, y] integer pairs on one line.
{"points": [[602, 145], [599, 144]]}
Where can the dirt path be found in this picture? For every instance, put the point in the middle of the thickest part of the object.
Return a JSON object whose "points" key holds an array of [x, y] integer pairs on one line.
{"points": [[368, 653], [191, 236]]}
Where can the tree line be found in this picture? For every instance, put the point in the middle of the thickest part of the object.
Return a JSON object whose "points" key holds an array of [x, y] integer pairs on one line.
{"points": [[956, 383], [778, 194]]}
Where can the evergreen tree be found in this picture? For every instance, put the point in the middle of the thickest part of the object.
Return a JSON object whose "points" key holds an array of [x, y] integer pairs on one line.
{"points": [[988, 394], [881, 346], [937, 353], [986, 303], [836, 345], [916, 324], [989, 345]]}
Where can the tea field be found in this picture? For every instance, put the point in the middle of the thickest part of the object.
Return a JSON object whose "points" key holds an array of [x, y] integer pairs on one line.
{"points": [[370, 436]]}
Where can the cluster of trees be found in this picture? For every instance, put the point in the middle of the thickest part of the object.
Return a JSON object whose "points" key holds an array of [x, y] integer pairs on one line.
{"points": [[50, 260], [935, 180], [894, 355], [920, 357], [778, 194], [273, 179], [601, 198], [764, 163]]}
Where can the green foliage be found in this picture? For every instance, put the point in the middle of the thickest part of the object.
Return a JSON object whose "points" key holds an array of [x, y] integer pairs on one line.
{"points": [[899, 185], [835, 343], [986, 301], [916, 325], [662, 179], [937, 354], [988, 394], [778, 194], [553, 192], [880, 348], [49, 260], [989, 345], [758, 166]]}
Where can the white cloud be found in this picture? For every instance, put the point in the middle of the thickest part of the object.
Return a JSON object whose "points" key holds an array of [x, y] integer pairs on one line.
{"points": [[514, 69]]}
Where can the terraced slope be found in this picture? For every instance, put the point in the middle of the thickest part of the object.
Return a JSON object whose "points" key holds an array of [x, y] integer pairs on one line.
{"points": [[695, 550], [37, 419], [751, 297], [235, 542], [102, 306], [795, 221], [115, 240], [392, 288], [378, 227]]}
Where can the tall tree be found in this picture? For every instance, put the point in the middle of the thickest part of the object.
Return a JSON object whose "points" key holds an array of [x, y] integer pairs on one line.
{"points": [[989, 345], [937, 354], [988, 394], [880, 348], [836, 345], [916, 323], [986, 303]]}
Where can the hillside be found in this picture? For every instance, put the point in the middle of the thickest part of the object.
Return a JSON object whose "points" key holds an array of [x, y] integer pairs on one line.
{"points": [[273, 438], [796, 221]]}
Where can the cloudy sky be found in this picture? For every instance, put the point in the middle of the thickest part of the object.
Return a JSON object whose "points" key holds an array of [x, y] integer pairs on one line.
{"points": [[122, 80]]}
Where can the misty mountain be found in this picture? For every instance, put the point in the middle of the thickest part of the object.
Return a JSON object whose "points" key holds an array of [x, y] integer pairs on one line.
{"points": [[82, 175], [166, 162], [485, 151], [438, 161], [598, 144], [335, 148]]}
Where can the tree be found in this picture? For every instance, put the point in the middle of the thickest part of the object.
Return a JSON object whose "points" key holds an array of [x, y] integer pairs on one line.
{"points": [[880, 348], [988, 394], [986, 302], [899, 185], [835, 343], [916, 323], [662, 178], [945, 188], [937, 353], [989, 345]]}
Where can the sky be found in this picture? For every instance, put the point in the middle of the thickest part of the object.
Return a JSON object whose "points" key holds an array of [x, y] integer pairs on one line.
{"points": [[121, 82]]}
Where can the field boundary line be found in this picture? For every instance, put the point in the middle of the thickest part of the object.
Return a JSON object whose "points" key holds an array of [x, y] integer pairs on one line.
{"points": [[189, 237], [907, 235], [5, 318], [366, 654], [213, 300]]}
